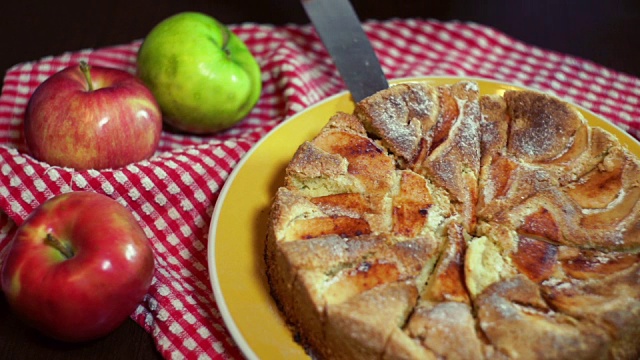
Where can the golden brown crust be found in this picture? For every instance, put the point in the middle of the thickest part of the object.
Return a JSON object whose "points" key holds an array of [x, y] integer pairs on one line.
{"points": [[518, 322], [453, 162], [446, 328], [361, 326], [602, 289], [494, 126], [437, 223], [541, 128], [400, 116], [447, 280], [400, 346]]}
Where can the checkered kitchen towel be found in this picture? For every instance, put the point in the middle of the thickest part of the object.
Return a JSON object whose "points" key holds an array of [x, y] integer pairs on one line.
{"points": [[173, 193]]}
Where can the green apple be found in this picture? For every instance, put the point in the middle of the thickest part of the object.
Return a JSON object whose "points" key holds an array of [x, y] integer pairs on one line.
{"points": [[203, 76]]}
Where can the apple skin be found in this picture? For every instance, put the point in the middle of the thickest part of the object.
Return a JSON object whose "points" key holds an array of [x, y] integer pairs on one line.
{"points": [[202, 75], [90, 294], [116, 123]]}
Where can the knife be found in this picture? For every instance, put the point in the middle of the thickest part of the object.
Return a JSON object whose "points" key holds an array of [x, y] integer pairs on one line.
{"points": [[342, 34]]}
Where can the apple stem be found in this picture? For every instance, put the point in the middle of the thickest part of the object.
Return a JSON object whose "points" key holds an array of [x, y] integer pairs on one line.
{"points": [[84, 67], [65, 249], [225, 40]]}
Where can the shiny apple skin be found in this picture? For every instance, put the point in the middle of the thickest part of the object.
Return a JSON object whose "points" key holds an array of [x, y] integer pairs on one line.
{"points": [[117, 123], [90, 294]]}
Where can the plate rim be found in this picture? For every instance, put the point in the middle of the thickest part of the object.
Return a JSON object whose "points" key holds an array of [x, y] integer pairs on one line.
{"points": [[219, 297]]}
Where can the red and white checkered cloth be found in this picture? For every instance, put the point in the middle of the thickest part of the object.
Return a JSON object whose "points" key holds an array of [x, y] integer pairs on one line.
{"points": [[173, 193]]}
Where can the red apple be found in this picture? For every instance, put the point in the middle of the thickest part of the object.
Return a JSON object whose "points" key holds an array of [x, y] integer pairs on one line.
{"points": [[77, 267], [92, 118]]}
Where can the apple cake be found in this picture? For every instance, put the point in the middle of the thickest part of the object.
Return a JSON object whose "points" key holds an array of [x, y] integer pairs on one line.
{"points": [[434, 222]]}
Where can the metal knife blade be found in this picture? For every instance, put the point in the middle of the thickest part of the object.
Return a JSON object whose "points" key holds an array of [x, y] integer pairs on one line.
{"points": [[342, 34]]}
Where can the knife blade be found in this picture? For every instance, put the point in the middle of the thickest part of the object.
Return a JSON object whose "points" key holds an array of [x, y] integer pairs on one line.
{"points": [[341, 32]]}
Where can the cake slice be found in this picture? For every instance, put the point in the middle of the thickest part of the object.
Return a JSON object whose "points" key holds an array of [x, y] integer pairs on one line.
{"points": [[453, 160], [600, 288], [518, 323], [442, 321], [434, 131], [532, 142], [361, 327]]}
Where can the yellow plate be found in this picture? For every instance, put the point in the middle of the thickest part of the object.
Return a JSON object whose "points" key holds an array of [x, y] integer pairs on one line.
{"points": [[238, 225]]}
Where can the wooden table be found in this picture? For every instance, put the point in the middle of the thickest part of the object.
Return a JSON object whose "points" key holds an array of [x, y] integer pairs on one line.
{"points": [[604, 32]]}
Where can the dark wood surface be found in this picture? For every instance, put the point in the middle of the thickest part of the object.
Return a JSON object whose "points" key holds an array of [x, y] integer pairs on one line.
{"points": [[606, 32]]}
